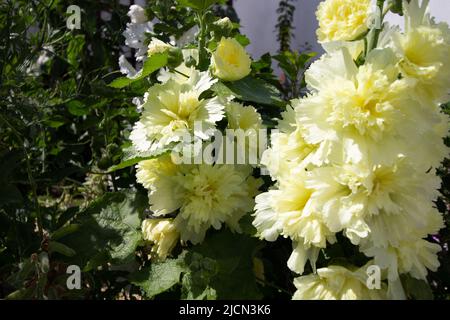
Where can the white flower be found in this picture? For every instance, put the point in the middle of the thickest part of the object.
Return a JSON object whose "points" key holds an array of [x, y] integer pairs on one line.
{"points": [[409, 257], [393, 200], [174, 109], [137, 14], [203, 196], [126, 67], [243, 117], [135, 38], [245, 123], [162, 234], [358, 155], [336, 283], [157, 46], [135, 33], [342, 19], [368, 109], [35, 69], [424, 50], [289, 149], [281, 212], [187, 37]]}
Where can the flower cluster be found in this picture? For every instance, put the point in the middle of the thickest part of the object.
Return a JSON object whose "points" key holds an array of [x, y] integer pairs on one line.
{"points": [[187, 199], [135, 38], [358, 154], [203, 195]]}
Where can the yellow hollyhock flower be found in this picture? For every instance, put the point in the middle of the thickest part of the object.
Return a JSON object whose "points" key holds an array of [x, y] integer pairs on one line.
{"points": [[424, 50], [342, 20], [230, 61], [242, 117], [282, 212], [336, 283], [244, 122], [413, 257], [288, 148], [163, 235], [173, 109], [157, 46], [203, 195], [367, 109]]}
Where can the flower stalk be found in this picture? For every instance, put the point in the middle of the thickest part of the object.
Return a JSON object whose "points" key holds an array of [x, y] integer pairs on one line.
{"points": [[374, 33], [202, 53]]}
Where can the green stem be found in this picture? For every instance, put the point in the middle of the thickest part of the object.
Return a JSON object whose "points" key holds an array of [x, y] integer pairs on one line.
{"points": [[374, 34], [202, 54], [181, 73]]}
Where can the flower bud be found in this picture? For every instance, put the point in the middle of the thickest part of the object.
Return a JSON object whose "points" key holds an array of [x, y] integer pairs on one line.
{"points": [[230, 61]]}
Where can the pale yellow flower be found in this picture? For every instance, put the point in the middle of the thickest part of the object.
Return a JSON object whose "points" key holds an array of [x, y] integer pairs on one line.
{"points": [[342, 20], [282, 212], [173, 109], [424, 49], [242, 117], [367, 109], [230, 61], [202, 196], [244, 123], [383, 202], [336, 283], [162, 234], [413, 257], [289, 150], [157, 46]]}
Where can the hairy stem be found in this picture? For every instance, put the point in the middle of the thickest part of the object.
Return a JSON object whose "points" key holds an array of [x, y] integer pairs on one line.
{"points": [[374, 34], [202, 54]]}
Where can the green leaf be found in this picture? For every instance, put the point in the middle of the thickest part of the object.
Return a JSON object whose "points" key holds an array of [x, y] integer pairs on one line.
{"points": [[246, 224], [74, 49], [242, 39], [200, 5], [159, 277], [56, 121], [292, 62], [132, 156], [252, 90], [152, 64], [21, 294], [196, 282], [109, 230], [77, 108], [416, 289], [211, 270], [58, 247], [65, 230], [234, 264]]}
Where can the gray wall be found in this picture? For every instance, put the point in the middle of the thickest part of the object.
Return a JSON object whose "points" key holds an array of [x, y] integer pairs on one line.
{"points": [[258, 19]]}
